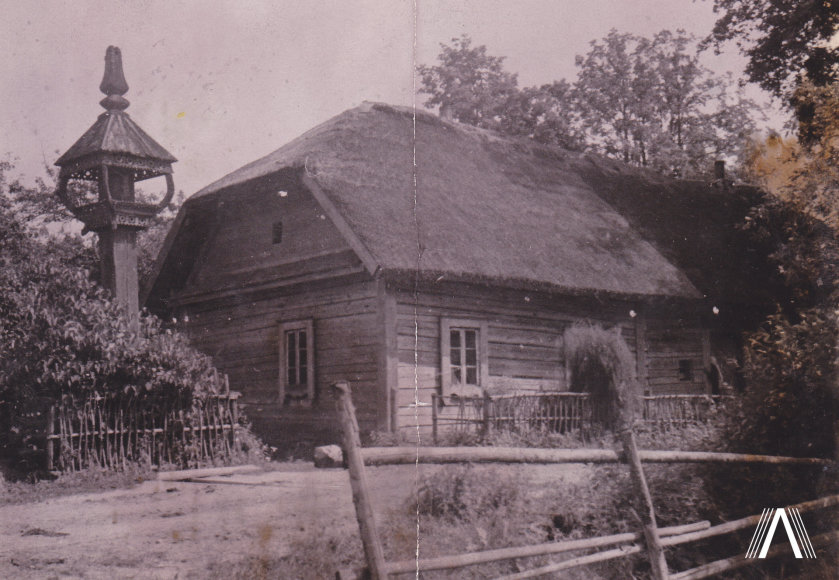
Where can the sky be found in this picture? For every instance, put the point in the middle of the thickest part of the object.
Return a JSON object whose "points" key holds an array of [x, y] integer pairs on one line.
{"points": [[220, 84]]}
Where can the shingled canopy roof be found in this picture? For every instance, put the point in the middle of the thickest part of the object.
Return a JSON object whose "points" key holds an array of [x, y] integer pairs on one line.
{"points": [[466, 204]]}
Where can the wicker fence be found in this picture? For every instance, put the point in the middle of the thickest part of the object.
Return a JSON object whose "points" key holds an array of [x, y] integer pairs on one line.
{"points": [[558, 413], [680, 410], [112, 432]]}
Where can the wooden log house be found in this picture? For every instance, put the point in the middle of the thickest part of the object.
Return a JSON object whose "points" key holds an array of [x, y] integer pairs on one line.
{"points": [[412, 256]]}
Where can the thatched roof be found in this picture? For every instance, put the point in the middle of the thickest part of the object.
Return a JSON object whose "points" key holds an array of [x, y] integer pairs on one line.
{"points": [[463, 203]]}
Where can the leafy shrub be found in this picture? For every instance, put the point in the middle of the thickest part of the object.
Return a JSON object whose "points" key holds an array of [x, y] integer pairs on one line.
{"points": [[459, 493], [791, 401], [459, 509], [62, 336]]}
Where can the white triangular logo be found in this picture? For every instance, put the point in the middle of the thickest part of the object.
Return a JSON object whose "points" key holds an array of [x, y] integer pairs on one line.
{"points": [[793, 524]]}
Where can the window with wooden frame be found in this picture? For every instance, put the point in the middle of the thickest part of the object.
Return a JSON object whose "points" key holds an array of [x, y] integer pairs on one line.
{"points": [[464, 357], [297, 362]]}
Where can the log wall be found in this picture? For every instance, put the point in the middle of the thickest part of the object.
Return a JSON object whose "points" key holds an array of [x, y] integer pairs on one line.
{"points": [[669, 344], [249, 278], [272, 229], [243, 338], [525, 346]]}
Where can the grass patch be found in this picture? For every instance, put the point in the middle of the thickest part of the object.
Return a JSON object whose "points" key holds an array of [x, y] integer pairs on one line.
{"points": [[88, 481], [319, 554]]}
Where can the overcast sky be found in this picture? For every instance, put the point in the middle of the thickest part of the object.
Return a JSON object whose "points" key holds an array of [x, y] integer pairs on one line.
{"points": [[220, 84]]}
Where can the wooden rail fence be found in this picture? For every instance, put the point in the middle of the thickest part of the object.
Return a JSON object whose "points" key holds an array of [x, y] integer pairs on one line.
{"points": [[112, 432], [652, 539], [564, 412]]}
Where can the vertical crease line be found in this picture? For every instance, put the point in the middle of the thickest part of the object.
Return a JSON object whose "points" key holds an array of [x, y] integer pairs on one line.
{"points": [[416, 274]]}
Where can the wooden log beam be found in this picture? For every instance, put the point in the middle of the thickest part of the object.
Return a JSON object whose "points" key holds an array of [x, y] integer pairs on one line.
{"points": [[646, 510], [747, 522], [370, 540], [185, 474], [412, 455], [461, 560], [575, 562]]}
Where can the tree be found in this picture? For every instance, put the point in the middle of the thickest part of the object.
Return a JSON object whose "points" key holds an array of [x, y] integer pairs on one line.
{"points": [[805, 172], [546, 114], [649, 102], [61, 335], [472, 87], [469, 85], [645, 101], [791, 359], [784, 40]]}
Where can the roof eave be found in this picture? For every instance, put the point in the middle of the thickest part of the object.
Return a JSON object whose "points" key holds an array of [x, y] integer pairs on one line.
{"points": [[426, 276]]}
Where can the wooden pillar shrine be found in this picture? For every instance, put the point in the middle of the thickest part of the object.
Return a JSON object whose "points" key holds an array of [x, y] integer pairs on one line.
{"points": [[115, 153]]}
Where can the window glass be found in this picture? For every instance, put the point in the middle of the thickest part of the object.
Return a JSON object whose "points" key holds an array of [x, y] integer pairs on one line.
{"points": [[463, 356]]}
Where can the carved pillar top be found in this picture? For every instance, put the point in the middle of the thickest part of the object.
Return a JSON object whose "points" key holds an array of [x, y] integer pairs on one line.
{"points": [[113, 83]]}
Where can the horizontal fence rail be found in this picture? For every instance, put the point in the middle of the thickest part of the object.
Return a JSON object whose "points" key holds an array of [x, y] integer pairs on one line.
{"points": [[651, 538], [564, 412], [475, 558], [439, 455], [112, 432]]}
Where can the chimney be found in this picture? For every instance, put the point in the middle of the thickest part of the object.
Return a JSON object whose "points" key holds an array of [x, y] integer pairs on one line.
{"points": [[719, 170]]}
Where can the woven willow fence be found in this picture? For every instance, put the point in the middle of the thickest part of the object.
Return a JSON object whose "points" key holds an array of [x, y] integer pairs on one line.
{"points": [[558, 412], [113, 432]]}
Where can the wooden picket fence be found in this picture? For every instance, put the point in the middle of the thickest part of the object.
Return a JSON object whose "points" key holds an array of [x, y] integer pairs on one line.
{"points": [[115, 431], [651, 540], [680, 410], [564, 412]]}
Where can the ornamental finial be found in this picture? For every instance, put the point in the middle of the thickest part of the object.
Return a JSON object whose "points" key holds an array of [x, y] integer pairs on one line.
{"points": [[113, 82]]}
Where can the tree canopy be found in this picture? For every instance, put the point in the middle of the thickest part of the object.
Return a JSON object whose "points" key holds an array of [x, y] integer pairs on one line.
{"points": [[784, 40], [62, 336], [649, 102], [646, 101]]}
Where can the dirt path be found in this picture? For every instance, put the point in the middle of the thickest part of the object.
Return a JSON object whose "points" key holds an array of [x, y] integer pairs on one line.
{"points": [[170, 530]]}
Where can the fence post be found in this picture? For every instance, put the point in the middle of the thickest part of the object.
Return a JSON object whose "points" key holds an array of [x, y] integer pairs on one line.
{"points": [[434, 402], [50, 439], [487, 401], [655, 551], [358, 482]]}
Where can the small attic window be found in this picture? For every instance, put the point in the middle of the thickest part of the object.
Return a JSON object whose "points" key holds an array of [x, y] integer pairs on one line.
{"points": [[277, 233], [685, 370]]}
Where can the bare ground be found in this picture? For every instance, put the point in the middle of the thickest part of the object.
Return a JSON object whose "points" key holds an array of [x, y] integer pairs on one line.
{"points": [[167, 530]]}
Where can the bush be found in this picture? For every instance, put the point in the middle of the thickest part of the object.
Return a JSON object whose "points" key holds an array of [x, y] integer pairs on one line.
{"points": [[460, 509], [460, 494], [62, 336]]}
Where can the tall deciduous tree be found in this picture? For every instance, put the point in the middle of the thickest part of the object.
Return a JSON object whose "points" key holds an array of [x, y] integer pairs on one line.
{"points": [[645, 101], [650, 102], [783, 39], [805, 174], [471, 86]]}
